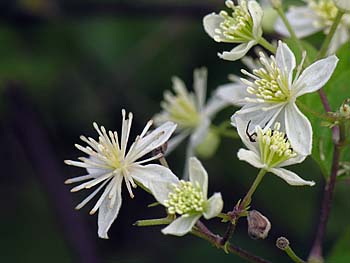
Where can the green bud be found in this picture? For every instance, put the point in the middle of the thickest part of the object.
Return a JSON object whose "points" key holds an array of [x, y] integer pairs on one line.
{"points": [[208, 147], [269, 19]]}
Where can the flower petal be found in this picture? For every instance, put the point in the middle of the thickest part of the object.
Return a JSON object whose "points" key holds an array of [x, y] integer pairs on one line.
{"points": [[238, 51], [298, 159], [290, 177], [302, 20], [241, 129], [285, 60], [341, 36], [257, 15], [176, 140], [200, 86], [233, 93], [298, 130], [200, 133], [106, 213], [315, 76], [211, 22], [181, 226], [157, 178], [198, 175], [214, 206], [250, 157]]}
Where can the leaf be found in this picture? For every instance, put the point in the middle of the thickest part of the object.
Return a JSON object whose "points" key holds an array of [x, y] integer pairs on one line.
{"points": [[340, 252]]}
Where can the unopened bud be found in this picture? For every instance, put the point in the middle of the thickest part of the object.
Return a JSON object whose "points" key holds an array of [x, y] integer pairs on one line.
{"points": [[344, 110], [258, 225], [282, 243], [276, 3], [343, 5]]}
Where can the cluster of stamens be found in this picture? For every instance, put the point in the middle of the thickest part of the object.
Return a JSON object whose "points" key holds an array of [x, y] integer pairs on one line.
{"points": [[274, 146], [186, 198], [180, 108], [269, 83], [237, 26], [326, 11]]}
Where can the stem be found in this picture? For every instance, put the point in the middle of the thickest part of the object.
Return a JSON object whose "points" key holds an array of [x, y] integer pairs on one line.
{"points": [[327, 41], [155, 222], [236, 213], [316, 251], [266, 44], [293, 256], [291, 32], [203, 232]]}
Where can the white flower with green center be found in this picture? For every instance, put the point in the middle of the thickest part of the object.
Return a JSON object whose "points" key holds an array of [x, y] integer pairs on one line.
{"points": [[109, 163], [189, 200], [243, 25], [189, 111], [314, 17], [271, 91], [270, 150]]}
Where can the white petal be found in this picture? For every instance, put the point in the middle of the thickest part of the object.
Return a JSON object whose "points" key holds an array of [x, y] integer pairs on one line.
{"points": [[214, 105], [285, 59], [298, 159], [315, 76], [198, 175], [181, 226], [250, 157], [342, 4], [341, 36], [158, 179], [176, 140], [211, 22], [290, 177], [303, 21], [151, 141], [200, 86], [200, 133], [298, 130], [233, 93], [214, 206], [257, 14], [238, 51], [107, 214], [242, 129]]}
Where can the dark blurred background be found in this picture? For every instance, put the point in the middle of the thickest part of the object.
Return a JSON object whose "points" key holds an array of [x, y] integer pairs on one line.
{"points": [[65, 64]]}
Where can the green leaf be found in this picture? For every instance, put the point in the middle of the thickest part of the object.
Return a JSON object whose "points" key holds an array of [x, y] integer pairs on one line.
{"points": [[340, 252]]}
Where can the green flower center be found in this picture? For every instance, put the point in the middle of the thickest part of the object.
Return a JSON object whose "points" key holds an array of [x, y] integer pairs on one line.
{"points": [[186, 198], [274, 146], [326, 10], [269, 83], [237, 26], [181, 108]]}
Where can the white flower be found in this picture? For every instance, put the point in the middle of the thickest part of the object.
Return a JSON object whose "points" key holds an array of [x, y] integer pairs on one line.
{"points": [[273, 90], [189, 111], [189, 200], [343, 5], [109, 163], [243, 25], [314, 17], [270, 150]]}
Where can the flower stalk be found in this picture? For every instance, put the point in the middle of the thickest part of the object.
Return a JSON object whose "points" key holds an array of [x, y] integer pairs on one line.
{"points": [[283, 244], [266, 44]]}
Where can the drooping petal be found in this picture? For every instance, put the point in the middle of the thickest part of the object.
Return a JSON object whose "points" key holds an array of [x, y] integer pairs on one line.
{"points": [[298, 130], [302, 20], [151, 141], [157, 178], [214, 206], [211, 22], [285, 60], [238, 51], [181, 226], [200, 86], [176, 140], [250, 157], [315, 76], [257, 15], [198, 175], [106, 213], [290, 177], [233, 93]]}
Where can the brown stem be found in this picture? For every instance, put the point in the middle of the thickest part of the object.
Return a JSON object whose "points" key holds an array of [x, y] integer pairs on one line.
{"points": [[316, 251], [203, 232]]}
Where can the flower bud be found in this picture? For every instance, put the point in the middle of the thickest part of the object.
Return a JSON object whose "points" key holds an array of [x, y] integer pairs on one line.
{"points": [[276, 3], [258, 225], [282, 243], [343, 5], [344, 110], [208, 147]]}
